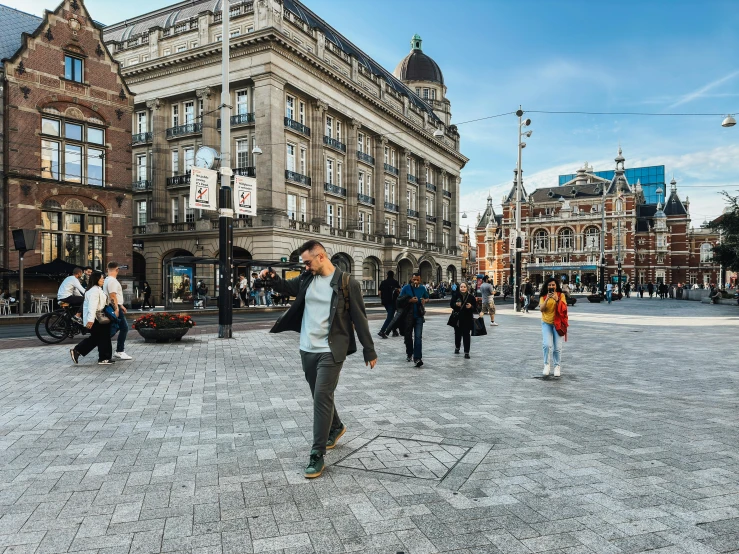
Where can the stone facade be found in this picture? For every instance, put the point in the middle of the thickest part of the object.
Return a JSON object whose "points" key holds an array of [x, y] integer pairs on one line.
{"points": [[561, 229], [66, 155], [348, 152]]}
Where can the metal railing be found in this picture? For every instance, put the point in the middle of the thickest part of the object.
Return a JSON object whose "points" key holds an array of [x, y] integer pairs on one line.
{"points": [[178, 180], [412, 178], [446, 193], [366, 158], [390, 207], [141, 138], [431, 218], [431, 187], [364, 199], [391, 169], [141, 186], [246, 171], [187, 129], [238, 119], [413, 213], [446, 223], [334, 143], [334, 189], [297, 126], [297, 178]]}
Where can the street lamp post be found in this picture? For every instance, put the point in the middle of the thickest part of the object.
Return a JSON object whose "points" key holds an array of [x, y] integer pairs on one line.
{"points": [[518, 244], [225, 196], [603, 244], [619, 255]]}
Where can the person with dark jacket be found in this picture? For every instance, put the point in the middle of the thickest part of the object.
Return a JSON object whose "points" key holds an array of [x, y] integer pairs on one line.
{"points": [[411, 301], [528, 292], [327, 310], [464, 304], [389, 290]]}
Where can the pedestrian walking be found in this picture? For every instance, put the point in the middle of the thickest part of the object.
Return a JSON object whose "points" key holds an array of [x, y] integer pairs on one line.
{"points": [[95, 319], [553, 306], [113, 290], [650, 288], [412, 301], [327, 310], [243, 290], [488, 300], [147, 296], [528, 292], [389, 292], [464, 306], [609, 292]]}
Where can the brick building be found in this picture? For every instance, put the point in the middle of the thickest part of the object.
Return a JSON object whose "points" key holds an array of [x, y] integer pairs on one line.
{"points": [[66, 130], [561, 227]]}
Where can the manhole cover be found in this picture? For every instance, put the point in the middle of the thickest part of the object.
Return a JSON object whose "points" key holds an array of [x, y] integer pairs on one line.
{"points": [[406, 457]]}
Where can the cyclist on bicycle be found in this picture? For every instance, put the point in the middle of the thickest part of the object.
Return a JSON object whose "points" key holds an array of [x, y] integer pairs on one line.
{"points": [[71, 291]]}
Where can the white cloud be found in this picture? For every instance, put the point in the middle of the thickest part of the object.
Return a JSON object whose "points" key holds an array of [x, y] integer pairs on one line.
{"points": [[701, 92]]}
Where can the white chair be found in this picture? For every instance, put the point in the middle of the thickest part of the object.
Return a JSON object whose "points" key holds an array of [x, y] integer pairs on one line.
{"points": [[44, 304], [4, 307]]}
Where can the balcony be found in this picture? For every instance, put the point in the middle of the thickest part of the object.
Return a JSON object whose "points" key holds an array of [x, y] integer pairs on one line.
{"points": [[431, 218], [431, 187], [141, 138], [413, 213], [446, 223], [238, 119], [180, 227], [366, 158], [390, 169], [143, 185], [366, 200], [297, 126], [246, 171], [334, 189], [390, 207], [238, 223], [182, 130], [178, 180], [297, 178], [412, 179], [446, 193], [335, 144]]}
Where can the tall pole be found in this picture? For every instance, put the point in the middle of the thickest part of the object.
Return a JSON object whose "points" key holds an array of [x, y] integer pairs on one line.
{"points": [[225, 194], [603, 244], [20, 269], [619, 255], [517, 258]]}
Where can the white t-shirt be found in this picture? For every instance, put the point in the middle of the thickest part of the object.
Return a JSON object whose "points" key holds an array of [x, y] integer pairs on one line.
{"points": [[314, 329], [71, 286], [243, 283], [609, 287], [110, 285]]}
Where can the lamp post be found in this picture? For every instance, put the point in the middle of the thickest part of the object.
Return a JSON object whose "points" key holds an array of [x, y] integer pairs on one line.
{"points": [[225, 195], [603, 244], [619, 255], [518, 244]]}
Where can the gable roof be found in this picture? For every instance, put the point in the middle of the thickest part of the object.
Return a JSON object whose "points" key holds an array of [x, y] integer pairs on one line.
{"points": [[674, 206], [13, 24]]}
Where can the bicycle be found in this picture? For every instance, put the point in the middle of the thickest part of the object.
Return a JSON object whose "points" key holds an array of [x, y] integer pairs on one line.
{"points": [[56, 326]]}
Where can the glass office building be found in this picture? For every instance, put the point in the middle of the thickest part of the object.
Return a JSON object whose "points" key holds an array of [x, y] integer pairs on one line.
{"points": [[651, 178]]}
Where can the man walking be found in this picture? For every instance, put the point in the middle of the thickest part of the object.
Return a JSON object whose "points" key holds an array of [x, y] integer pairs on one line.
{"points": [[328, 308], [488, 300], [609, 292], [412, 299], [113, 289], [389, 290], [528, 291]]}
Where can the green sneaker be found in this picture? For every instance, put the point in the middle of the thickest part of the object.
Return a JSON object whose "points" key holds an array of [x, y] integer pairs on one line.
{"points": [[315, 465], [334, 436]]}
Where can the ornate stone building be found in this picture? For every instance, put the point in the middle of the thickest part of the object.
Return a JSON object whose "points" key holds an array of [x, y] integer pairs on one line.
{"points": [[349, 155], [66, 128], [562, 236]]}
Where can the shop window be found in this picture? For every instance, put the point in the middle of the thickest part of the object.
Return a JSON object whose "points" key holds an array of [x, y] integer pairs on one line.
{"points": [[73, 237]]}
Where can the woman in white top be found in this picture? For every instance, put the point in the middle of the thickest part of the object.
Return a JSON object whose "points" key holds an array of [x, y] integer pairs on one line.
{"points": [[95, 301]]}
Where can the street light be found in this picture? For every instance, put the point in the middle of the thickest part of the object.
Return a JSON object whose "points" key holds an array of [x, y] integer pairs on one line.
{"points": [[257, 151], [518, 245], [438, 133], [728, 121]]}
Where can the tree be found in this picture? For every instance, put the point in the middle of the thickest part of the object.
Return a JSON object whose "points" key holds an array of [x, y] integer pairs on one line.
{"points": [[727, 252]]}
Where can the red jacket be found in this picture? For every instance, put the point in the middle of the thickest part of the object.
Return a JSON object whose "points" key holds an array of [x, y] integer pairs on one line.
{"points": [[561, 321]]}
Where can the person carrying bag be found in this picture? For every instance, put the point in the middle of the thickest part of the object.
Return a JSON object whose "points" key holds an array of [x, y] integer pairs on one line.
{"points": [[97, 321], [462, 318]]}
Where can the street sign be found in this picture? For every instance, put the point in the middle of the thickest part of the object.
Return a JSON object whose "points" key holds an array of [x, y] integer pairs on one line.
{"points": [[203, 188], [123, 266], [138, 244], [245, 192]]}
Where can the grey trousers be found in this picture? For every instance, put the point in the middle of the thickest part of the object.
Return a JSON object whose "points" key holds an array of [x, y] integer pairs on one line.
{"points": [[322, 374]]}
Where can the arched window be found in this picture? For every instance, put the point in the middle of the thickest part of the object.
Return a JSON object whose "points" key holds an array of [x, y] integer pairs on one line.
{"points": [[619, 205], [541, 240], [706, 252], [566, 239], [72, 151], [77, 238], [592, 237]]}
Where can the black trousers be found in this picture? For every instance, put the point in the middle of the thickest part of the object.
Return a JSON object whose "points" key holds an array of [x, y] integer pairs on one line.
{"points": [[73, 300], [99, 338], [462, 335], [147, 301], [322, 374]]}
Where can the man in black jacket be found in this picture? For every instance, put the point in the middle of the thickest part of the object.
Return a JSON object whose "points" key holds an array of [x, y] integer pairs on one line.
{"points": [[389, 290], [328, 308]]}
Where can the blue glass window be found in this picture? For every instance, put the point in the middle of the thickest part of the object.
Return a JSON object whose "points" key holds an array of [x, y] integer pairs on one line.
{"points": [[73, 69]]}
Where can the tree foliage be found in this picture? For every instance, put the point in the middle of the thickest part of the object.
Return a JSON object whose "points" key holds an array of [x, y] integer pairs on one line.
{"points": [[727, 252]]}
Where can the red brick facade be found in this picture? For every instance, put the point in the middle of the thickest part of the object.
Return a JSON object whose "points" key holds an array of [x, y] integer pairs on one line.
{"points": [[77, 169]]}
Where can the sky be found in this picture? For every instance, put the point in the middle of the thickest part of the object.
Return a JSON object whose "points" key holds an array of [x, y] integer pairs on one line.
{"points": [[646, 56]]}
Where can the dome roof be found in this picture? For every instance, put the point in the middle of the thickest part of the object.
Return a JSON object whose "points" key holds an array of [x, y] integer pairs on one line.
{"points": [[417, 66]]}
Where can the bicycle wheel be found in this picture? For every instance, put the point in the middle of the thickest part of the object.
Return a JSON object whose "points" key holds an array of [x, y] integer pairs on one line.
{"points": [[51, 328]]}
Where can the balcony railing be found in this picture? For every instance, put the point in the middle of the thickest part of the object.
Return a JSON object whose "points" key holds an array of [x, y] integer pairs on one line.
{"points": [[333, 143], [412, 178], [178, 180], [238, 119], [179, 227], [246, 171], [297, 178], [431, 187], [297, 126], [366, 158], [142, 185], [391, 169], [431, 218], [364, 199], [141, 138], [412, 213], [390, 207], [447, 223], [187, 129], [446, 193], [334, 189]]}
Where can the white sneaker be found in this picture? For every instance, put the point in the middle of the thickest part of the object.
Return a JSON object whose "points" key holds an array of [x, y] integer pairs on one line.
{"points": [[493, 324], [122, 356], [556, 371], [546, 370]]}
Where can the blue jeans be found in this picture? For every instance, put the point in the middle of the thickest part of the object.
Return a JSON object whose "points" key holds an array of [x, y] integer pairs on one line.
{"points": [[390, 313], [122, 332], [414, 347], [609, 295], [551, 338]]}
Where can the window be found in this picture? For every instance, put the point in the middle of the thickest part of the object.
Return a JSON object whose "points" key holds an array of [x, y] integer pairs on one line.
{"points": [[301, 112], [425, 94], [242, 153], [167, 52], [387, 155], [340, 217], [175, 162], [303, 156], [235, 33], [141, 122], [387, 191], [189, 159], [289, 107], [76, 238], [392, 193], [193, 44], [387, 225], [242, 102], [303, 208], [369, 224], [445, 212], [201, 108], [433, 94], [330, 171], [360, 183], [338, 131], [541, 240], [408, 199], [175, 115], [71, 156], [339, 180], [619, 205], [175, 210], [330, 215], [566, 239], [189, 113], [329, 126], [706, 252], [413, 231], [592, 237], [418, 91], [392, 227], [445, 236], [73, 69], [141, 212], [189, 212], [360, 222], [360, 142], [292, 206], [291, 157], [141, 167], [181, 48]]}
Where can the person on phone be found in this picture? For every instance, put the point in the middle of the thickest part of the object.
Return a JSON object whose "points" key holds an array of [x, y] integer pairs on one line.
{"points": [[327, 310], [550, 295], [95, 301], [465, 304], [414, 296]]}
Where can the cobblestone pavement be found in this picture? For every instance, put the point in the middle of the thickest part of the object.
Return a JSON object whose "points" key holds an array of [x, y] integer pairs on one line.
{"points": [[199, 446]]}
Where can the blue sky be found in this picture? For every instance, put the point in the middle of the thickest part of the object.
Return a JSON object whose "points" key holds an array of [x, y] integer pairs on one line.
{"points": [[560, 55]]}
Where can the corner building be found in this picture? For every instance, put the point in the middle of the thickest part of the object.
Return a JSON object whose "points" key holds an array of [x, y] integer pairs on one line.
{"points": [[349, 155]]}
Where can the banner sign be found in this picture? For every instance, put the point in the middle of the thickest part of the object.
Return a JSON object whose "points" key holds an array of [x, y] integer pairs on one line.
{"points": [[203, 188], [245, 195]]}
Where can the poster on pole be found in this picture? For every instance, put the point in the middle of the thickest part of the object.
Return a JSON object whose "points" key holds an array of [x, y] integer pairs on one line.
{"points": [[245, 195], [203, 188]]}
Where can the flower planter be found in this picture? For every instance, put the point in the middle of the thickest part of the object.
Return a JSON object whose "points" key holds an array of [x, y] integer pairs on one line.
{"points": [[163, 335], [594, 298]]}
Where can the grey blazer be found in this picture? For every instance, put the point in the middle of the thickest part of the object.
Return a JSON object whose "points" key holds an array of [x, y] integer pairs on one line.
{"points": [[343, 320]]}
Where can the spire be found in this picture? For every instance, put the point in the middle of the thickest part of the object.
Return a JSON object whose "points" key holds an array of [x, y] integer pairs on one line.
{"points": [[416, 42], [673, 184]]}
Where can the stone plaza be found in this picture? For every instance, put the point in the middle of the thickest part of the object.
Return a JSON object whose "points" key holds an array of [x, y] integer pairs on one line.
{"points": [[199, 446]]}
